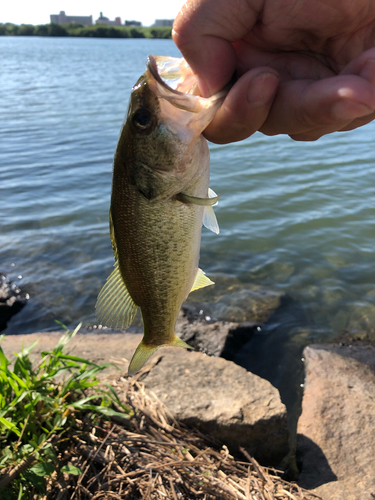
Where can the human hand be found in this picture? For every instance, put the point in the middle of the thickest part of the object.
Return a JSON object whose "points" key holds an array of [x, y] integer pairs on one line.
{"points": [[306, 67]]}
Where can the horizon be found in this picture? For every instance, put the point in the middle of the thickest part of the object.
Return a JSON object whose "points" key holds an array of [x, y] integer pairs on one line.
{"points": [[146, 11]]}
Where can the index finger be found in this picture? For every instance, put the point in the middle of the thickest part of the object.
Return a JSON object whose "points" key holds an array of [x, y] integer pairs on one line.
{"points": [[204, 31]]}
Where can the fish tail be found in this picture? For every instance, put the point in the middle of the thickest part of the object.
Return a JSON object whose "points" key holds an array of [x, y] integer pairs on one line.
{"points": [[144, 352]]}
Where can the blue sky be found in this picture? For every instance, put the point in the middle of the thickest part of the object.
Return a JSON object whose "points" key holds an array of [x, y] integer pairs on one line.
{"points": [[38, 12]]}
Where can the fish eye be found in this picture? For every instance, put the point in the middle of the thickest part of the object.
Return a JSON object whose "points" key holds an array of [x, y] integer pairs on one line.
{"points": [[142, 119]]}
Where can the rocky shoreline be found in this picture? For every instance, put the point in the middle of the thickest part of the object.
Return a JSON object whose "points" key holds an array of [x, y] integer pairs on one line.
{"points": [[335, 435]]}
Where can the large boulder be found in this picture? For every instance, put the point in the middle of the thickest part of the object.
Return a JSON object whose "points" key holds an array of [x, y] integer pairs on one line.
{"points": [[223, 400], [336, 431]]}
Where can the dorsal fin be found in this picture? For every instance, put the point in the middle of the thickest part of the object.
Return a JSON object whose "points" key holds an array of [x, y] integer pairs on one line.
{"points": [[115, 307], [201, 281], [112, 234]]}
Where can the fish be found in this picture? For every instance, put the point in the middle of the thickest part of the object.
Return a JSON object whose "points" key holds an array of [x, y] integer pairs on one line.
{"points": [[160, 199]]}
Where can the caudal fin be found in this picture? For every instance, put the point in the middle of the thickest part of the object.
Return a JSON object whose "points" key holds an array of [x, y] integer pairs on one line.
{"points": [[144, 352]]}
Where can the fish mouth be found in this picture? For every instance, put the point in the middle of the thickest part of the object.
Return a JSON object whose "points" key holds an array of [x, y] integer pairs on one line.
{"points": [[174, 74], [176, 82]]}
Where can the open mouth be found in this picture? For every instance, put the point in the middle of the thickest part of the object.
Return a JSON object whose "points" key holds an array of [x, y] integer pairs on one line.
{"points": [[174, 74], [178, 84]]}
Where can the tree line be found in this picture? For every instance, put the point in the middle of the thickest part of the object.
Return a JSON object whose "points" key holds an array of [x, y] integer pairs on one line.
{"points": [[79, 30]]}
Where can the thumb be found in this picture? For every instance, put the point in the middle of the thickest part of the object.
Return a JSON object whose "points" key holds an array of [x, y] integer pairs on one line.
{"points": [[245, 108], [205, 30]]}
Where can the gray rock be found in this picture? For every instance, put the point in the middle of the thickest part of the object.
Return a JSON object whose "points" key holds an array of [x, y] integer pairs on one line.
{"points": [[336, 431], [219, 338], [365, 353], [233, 300], [12, 300], [223, 400]]}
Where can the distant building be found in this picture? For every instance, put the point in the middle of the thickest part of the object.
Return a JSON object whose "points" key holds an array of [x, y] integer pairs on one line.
{"points": [[104, 20], [64, 19], [133, 23], [163, 22]]}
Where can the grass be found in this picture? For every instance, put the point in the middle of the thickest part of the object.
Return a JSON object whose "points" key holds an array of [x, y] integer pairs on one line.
{"points": [[40, 405]]}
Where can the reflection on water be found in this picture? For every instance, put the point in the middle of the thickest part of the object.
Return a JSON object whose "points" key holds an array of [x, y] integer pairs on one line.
{"points": [[296, 219]]}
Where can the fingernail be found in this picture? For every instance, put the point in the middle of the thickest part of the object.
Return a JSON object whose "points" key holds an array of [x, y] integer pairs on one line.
{"points": [[262, 88], [349, 110]]}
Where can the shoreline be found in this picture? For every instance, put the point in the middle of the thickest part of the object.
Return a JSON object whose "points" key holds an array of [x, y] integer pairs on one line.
{"points": [[76, 30]]}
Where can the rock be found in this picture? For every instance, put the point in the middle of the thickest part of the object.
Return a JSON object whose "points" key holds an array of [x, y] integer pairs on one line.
{"points": [[235, 301], [219, 338], [12, 300], [336, 438], [365, 353], [223, 400]]}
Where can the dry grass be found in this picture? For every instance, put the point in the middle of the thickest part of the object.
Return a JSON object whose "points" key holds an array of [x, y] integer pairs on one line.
{"points": [[151, 456]]}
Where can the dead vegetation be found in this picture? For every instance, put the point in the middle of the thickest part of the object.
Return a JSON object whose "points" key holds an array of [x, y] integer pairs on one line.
{"points": [[151, 456]]}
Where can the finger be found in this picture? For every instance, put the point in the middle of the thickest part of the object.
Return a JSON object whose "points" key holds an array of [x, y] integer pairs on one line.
{"points": [[245, 108], [359, 122], [204, 31], [363, 66], [301, 107], [316, 134]]}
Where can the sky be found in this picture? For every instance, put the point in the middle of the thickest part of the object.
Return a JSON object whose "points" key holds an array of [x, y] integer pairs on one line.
{"points": [[38, 11]]}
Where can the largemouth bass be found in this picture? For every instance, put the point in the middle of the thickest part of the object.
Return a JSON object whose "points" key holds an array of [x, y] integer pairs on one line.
{"points": [[160, 197]]}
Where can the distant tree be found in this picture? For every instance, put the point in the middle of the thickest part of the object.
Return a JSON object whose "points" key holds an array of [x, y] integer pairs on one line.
{"points": [[102, 32], [134, 33], [41, 30], [11, 29], [57, 30], [26, 30], [114, 33], [73, 25]]}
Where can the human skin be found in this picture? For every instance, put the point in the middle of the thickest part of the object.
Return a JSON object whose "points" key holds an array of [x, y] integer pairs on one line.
{"points": [[305, 68]]}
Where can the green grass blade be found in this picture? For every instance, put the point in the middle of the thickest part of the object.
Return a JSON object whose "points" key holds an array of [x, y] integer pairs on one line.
{"points": [[9, 425]]}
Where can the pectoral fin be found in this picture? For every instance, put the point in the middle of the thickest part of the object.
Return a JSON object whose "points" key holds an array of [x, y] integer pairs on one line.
{"points": [[201, 281], [209, 217], [144, 352]]}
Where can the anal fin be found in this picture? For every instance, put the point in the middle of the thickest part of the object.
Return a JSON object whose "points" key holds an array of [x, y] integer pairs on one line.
{"points": [[201, 280]]}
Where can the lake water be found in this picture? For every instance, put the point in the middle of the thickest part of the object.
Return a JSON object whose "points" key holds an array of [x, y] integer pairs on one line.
{"points": [[295, 218]]}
